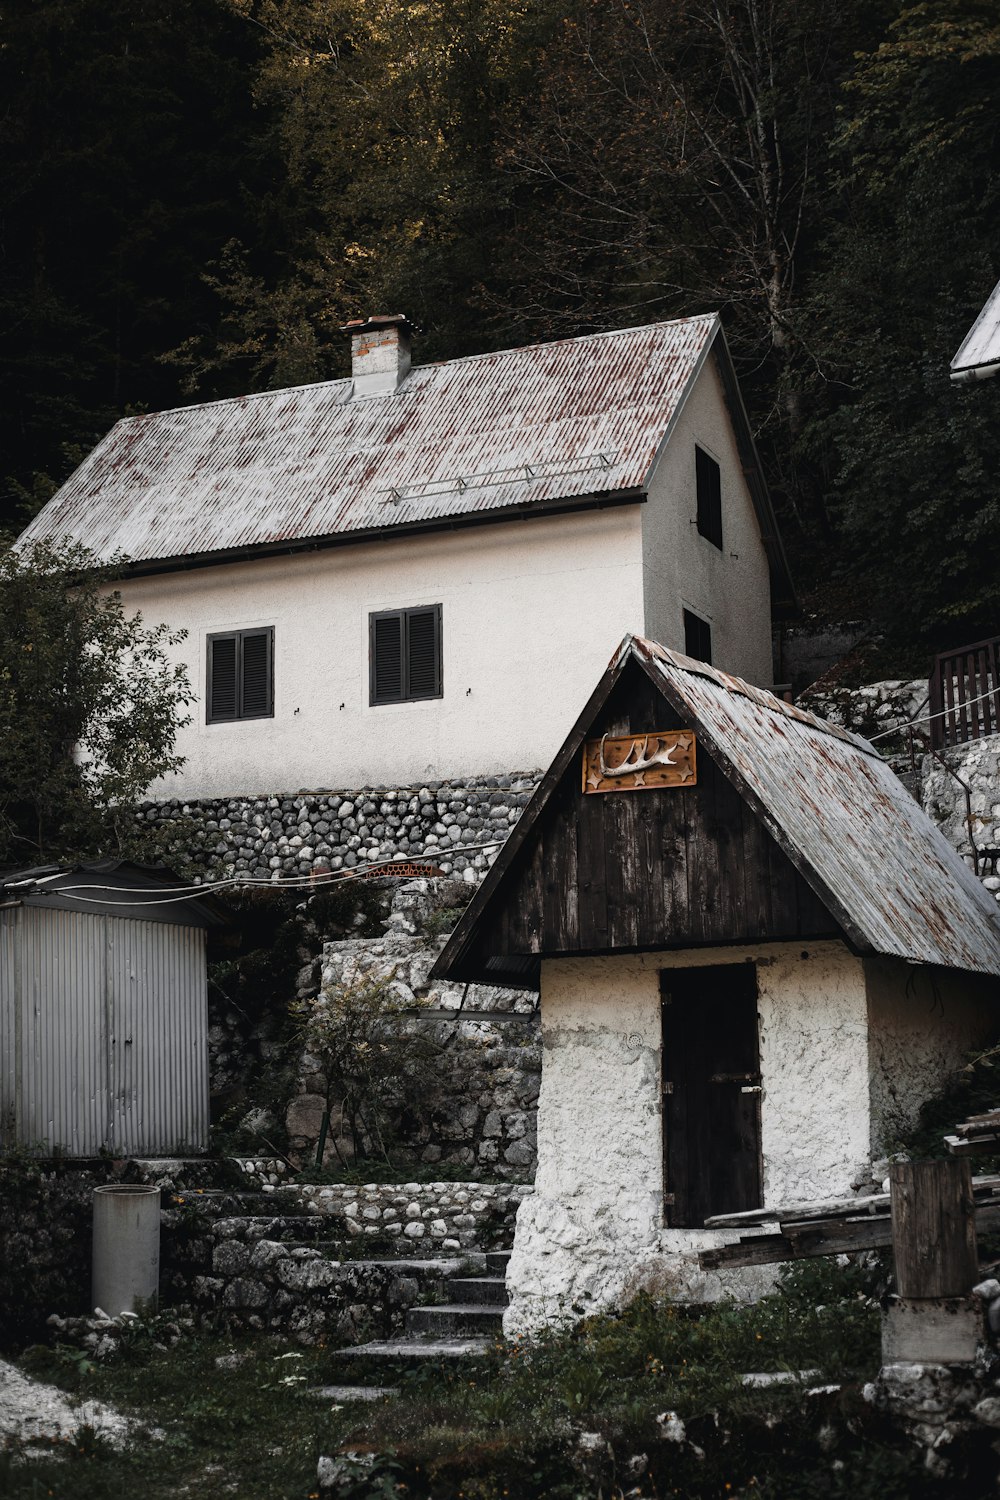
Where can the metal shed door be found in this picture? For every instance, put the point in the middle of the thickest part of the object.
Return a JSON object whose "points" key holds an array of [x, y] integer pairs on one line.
{"points": [[58, 1030], [711, 1092], [158, 1049]]}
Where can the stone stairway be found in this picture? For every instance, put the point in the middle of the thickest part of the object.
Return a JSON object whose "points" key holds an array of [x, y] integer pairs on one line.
{"points": [[293, 1260], [438, 1331]]}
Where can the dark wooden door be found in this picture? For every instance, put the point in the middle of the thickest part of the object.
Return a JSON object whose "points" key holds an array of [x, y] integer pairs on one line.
{"points": [[711, 1092]]}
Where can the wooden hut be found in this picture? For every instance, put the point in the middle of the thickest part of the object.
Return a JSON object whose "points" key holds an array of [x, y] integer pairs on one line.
{"points": [[756, 957], [104, 1010]]}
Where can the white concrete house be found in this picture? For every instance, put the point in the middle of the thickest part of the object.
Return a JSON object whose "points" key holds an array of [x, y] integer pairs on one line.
{"points": [[756, 958], [415, 573]]}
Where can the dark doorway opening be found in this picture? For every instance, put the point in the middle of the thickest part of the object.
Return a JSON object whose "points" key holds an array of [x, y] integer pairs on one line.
{"points": [[711, 1092]]}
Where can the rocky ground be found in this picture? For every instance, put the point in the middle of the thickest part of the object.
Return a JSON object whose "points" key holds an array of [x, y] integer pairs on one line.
{"points": [[40, 1415]]}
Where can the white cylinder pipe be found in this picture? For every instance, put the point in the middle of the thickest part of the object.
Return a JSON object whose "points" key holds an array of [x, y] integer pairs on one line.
{"points": [[126, 1260]]}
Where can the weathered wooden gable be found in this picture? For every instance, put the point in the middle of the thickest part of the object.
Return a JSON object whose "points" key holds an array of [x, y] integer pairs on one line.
{"points": [[669, 867]]}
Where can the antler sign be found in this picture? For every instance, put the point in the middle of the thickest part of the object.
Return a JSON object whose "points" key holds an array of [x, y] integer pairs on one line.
{"points": [[639, 762]]}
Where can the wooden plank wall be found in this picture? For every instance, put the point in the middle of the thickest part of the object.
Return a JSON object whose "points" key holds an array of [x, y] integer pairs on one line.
{"points": [[672, 867]]}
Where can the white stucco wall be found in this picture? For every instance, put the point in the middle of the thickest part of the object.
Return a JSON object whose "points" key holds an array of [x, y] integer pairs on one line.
{"points": [[682, 569], [924, 1022], [531, 611], [592, 1232]]}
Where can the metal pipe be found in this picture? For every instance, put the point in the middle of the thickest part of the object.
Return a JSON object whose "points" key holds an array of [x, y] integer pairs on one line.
{"points": [[126, 1259], [968, 808]]}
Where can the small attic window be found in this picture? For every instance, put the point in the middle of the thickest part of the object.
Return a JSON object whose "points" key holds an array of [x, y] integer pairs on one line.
{"points": [[405, 654], [240, 676], [697, 637], [708, 481]]}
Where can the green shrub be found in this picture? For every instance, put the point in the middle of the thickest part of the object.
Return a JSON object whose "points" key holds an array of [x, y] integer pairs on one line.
{"points": [[45, 1233]]}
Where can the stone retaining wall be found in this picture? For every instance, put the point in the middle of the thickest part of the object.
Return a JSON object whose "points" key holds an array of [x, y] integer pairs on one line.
{"points": [[299, 1291], [977, 764], [477, 1110], [423, 1218], [295, 834], [351, 1268]]}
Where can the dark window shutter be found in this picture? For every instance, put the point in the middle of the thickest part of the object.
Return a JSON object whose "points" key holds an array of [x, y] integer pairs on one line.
{"points": [[405, 654], [697, 638], [708, 480], [387, 658], [222, 697], [256, 702], [423, 677]]}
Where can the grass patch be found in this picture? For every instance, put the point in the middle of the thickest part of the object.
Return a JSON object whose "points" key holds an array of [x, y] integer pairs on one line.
{"points": [[391, 1170], [512, 1425], [569, 1417], [241, 1430]]}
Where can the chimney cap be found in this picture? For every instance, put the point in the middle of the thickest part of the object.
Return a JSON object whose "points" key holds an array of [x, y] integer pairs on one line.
{"points": [[376, 321]]}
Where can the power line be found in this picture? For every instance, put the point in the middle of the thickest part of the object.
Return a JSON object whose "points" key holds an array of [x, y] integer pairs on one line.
{"points": [[318, 879], [928, 718]]}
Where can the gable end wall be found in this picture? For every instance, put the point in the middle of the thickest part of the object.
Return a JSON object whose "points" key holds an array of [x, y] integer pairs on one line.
{"points": [[681, 569]]}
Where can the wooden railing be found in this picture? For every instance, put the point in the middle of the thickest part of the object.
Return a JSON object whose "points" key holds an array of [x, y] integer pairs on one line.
{"points": [[965, 694]]}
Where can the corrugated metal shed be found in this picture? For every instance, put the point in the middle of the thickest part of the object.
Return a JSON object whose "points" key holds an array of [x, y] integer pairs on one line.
{"points": [[979, 356], [103, 1011], [523, 428], [851, 829]]}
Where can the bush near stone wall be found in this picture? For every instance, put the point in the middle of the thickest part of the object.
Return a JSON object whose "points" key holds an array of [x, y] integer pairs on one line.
{"points": [[300, 833], [253, 984], [45, 1234], [476, 1108]]}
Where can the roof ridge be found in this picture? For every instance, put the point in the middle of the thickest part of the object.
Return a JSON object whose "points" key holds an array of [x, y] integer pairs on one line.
{"points": [[573, 338], [763, 697], [433, 364]]}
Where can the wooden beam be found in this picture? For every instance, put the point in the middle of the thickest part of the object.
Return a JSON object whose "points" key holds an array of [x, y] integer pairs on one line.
{"points": [[798, 1212], [758, 1250], [982, 1145], [811, 1238], [827, 1208]]}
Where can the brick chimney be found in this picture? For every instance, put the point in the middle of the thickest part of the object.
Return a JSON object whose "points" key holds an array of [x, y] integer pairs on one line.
{"points": [[380, 353]]}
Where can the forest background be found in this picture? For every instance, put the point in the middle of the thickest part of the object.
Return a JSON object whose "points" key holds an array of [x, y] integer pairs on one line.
{"points": [[196, 194]]}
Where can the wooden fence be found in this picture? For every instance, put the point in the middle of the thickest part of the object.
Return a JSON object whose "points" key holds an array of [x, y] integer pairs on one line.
{"points": [[965, 694]]}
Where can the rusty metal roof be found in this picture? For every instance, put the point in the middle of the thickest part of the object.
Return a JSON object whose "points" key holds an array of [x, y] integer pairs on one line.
{"points": [[843, 816], [885, 872], [521, 428], [979, 354]]}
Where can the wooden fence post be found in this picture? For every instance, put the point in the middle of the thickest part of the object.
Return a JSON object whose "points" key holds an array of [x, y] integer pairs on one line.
{"points": [[933, 1227], [932, 1319]]}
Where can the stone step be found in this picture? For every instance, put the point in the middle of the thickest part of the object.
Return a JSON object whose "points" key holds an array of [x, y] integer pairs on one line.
{"points": [[416, 1351], [454, 1319], [486, 1291], [248, 1203], [341, 1394], [497, 1261], [173, 1173], [297, 1229]]}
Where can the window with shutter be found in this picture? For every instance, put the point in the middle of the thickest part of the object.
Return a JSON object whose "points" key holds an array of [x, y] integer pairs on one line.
{"points": [[240, 675], [222, 695], [697, 637], [708, 481], [387, 658], [405, 654]]}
